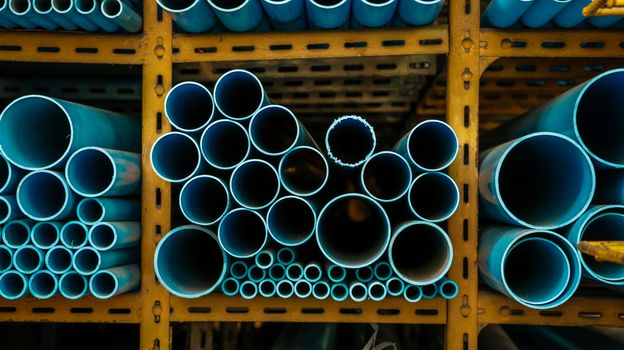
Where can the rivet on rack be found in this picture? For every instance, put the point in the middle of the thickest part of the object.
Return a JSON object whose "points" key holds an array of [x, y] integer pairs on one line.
{"points": [[159, 50], [465, 310], [506, 44], [156, 344], [504, 311], [467, 43], [466, 77], [157, 311]]}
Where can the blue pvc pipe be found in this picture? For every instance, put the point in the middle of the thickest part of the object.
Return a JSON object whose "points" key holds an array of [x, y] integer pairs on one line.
{"points": [[59, 259], [374, 13], [16, 234], [45, 195], [386, 176], [43, 284], [312, 272], [255, 184], [115, 235], [74, 234], [52, 124], [9, 210], [285, 256], [377, 291], [339, 291], [256, 274], [91, 10], [294, 272], [395, 286], [448, 289], [88, 260], [23, 10], [225, 144], [189, 261], [291, 220], [542, 11], [350, 141], [412, 293], [10, 176], [505, 13], [189, 106], [328, 14], [265, 259], [382, 271], [94, 210], [358, 291], [105, 284], [336, 273], [419, 12], [298, 24], [284, 11], [277, 272], [364, 274], [67, 9], [267, 288], [242, 233], [238, 15], [303, 171], [6, 258], [609, 187], [303, 289], [204, 200], [122, 14], [230, 286], [193, 16], [571, 15], [431, 145], [239, 94], [238, 269], [101, 172], [429, 291], [11, 20], [285, 289], [528, 182], [13, 285], [433, 197], [28, 259], [320, 290], [44, 8], [73, 285], [353, 241], [604, 21], [274, 130], [45, 235], [175, 157], [420, 252]]}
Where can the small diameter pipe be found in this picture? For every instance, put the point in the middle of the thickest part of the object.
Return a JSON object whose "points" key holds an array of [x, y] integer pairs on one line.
{"points": [[238, 15], [10, 176], [11, 19], [255, 184], [193, 16], [364, 274], [189, 106], [505, 13], [395, 286], [303, 171], [44, 8], [45, 196], [542, 11], [419, 12], [412, 293], [277, 272], [51, 125], [74, 235], [274, 130], [238, 270], [239, 94], [28, 259], [374, 13], [336, 273], [433, 197], [230, 286], [242, 233], [13, 285], [255, 273], [447, 288], [528, 182], [286, 256], [105, 284], [91, 10], [350, 141], [328, 14], [420, 252], [59, 259], [248, 290], [16, 234], [23, 9], [358, 291], [123, 15], [6, 258], [9, 210], [200, 263], [320, 290], [67, 9], [353, 230], [175, 157], [303, 289], [294, 272], [88, 260], [115, 235], [377, 291], [429, 291], [285, 289], [312, 272], [225, 144], [339, 291], [267, 288], [264, 259], [45, 235], [386, 176], [101, 172], [73, 285], [43, 284], [204, 200], [431, 145], [94, 210], [382, 271], [572, 14], [291, 221], [284, 11]]}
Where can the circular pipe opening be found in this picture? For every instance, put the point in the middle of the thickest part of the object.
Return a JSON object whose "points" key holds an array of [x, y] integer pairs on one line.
{"points": [[277, 272], [413, 293], [336, 273], [230, 286], [364, 274], [274, 130], [112, 8], [103, 284], [90, 211], [28, 259], [6, 258], [255, 184], [285, 256], [358, 291], [204, 200], [312, 272], [449, 289], [291, 221], [175, 157], [339, 291], [264, 259], [43, 284], [377, 291], [604, 227], [16, 234], [238, 93], [433, 197], [432, 145], [429, 291], [303, 171], [43, 195], [72, 285], [238, 269], [294, 272], [267, 288], [386, 176], [285, 289], [225, 144], [84, 7], [395, 286], [189, 106], [102, 236], [383, 271], [62, 6], [320, 290], [350, 141], [45, 235], [5, 210], [303, 289], [13, 285], [58, 259], [6, 174], [91, 172], [242, 233], [74, 234], [255, 273], [86, 261]]}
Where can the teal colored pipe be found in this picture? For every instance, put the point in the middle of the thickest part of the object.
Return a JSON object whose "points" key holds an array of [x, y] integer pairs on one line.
{"points": [[167, 162], [28, 259], [10, 176], [285, 289], [303, 289], [291, 220], [284, 11], [572, 15], [429, 291], [43, 284], [256, 274], [242, 233], [377, 291], [274, 130], [225, 144], [358, 291], [193, 16], [88, 260], [419, 12], [238, 269], [9, 210], [303, 171], [604, 21], [505, 13], [431, 145], [204, 200], [265, 259], [412, 293], [320, 290], [16, 234], [364, 274], [255, 184], [189, 106], [248, 290], [294, 272], [92, 10], [11, 20], [94, 210], [277, 272], [386, 176], [73, 285], [433, 197], [74, 235], [239, 94], [67, 9], [382, 271], [374, 13], [238, 15], [339, 291], [6, 258], [24, 12], [448, 289], [115, 235], [350, 141], [58, 259], [312, 272], [44, 8], [230, 286], [123, 15], [542, 11], [328, 14], [44, 195], [13, 285], [45, 235], [609, 187], [336, 273], [267, 288], [285, 256], [395, 286], [107, 283]]}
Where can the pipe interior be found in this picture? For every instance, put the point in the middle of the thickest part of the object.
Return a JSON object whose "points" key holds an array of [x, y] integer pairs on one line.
{"points": [[58, 259], [104, 284], [86, 261], [42, 284], [545, 181], [420, 253], [433, 196], [536, 270], [19, 6], [45, 234], [606, 227], [103, 236], [432, 145], [383, 271], [225, 144], [264, 259], [90, 171], [44, 6], [448, 289], [285, 256], [42, 195], [599, 120], [86, 6], [277, 272], [267, 287], [395, 286], [377, 291], [74, 234], [5, 172], [255, 184], [112, 8], [175, 157], [291, 221], [238, 94], [178, 5], [339, 291], [285, 288], [351, 140], [204, 200], [190, 262], [27, 259], [413, 292], [312, 272], [303, 288], [228, 4], [189, 106], [430, 290], [328, 2], [16, 233], [5, 209], [320, 290], [230, 286], [5, 258], [353, 231], [12, 284], [73, 285], [294, 272], [90, 210], [303, 170], [336, 273], [358, 291], [248, 289], [242, 233], [255, 273], [238, 269], [62, 5], [364, 274], [386, 176], [274, 129]]}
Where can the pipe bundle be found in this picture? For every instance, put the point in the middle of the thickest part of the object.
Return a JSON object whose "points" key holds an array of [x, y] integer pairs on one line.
{"points": [[69, 211], [273, 215], [542, 178], [196, 16], [543, 14], [89, 15]]}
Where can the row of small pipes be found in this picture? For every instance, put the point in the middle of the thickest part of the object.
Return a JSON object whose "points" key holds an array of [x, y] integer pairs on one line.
{"points": [[89, 15], [63, 161], [541, 177]]}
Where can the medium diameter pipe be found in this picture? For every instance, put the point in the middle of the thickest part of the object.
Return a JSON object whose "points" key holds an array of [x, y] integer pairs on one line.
{"points": [[505, 13], [604, 21], [312, 272], [274, 130], [45, 196], [44, 8], [328, 14], [283, 12], [420, 252], [303, 171], [239, 94], [350, 141], [358, 291], [267, 288], [73, 285], [67, 9], [321, 290], [572, 14], [294, 272], [115, 235], [11, 20], [9, 210], [529, 181], [6, 258], [336, 273], [242, 233], [303, 289], [200, 263], [28, 259], [43, 284], [10, 176], [255, 184], [248, 290], [13, 285], [447, 288], [225, 144], [193, 16], [412, 293], [433, 197], [256, 274], [374, 13], [204, 200], [339, 291], [382, 271], [364, 274], [419, 12], [291, 220], [277, 272], [45, 235], [386, 176], [74, 235], [230, 286], [101, 172], [16, 234], [431, 145], [24, 12], [285, 289], [238, 270], [395, 286], [91, 10], [189, 106], [59, 259], [429, 291], [238, 15], [107, 283], [377, 291], [123, 15], [265, 258], [285, 256], [542, 11], [88, 261], [175, 157], [95, 210]]}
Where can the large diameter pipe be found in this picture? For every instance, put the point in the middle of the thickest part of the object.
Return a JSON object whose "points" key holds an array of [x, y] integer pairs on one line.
{"points": [[13, 285], [189, 106], [204, 200], [230, 286], [10, 176], [274, 130], [225, 144], [239, 94], [44, 8], [9, 210], [505, 13], [175, 157], [255, 184], [88, 260], [284, 11], [386, 176], [105, 284], [67, 9], [115, 234], [542, 181], [529, 266], [94, 210], [542, 11], [433, 197], [45, 235], [24, 11], [101, 172], [238, 15], [6, 258], [44, 195], [374, 13], [431, 145], [609, 187], [74, 235], [242, 233], [16, 234], [51, 126], [291, 220], [353, 230], [350, 141], [193, 16], [73, 285], [419, 12], [189, 261], [123, 15], [420, 252], [91, 10], [28, 259], [43, 284], [59, 259], [328, 14], [303, 171]]}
